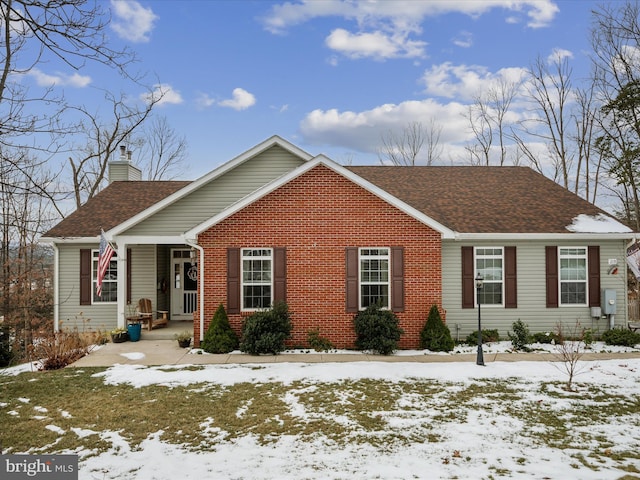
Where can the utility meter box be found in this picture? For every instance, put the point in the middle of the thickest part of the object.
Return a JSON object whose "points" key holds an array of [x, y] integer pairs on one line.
{"points": [[609, 303]]}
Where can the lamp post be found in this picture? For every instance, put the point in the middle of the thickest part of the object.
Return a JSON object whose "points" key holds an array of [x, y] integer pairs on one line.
{"points": [[480, 356]]}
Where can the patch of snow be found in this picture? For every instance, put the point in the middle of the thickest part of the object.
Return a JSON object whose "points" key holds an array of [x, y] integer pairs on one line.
{"points": [[133, 355], [597, 224], [55, 429]]}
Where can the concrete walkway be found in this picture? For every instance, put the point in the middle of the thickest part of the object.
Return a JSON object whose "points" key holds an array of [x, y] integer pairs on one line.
{"points": [[167, 352]]}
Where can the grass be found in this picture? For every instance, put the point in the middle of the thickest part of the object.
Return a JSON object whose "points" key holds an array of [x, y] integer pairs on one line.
{"points": [[384, 414]]}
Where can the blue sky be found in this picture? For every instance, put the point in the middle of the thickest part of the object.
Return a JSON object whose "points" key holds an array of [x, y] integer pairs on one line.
{"points": [[330, 76]]}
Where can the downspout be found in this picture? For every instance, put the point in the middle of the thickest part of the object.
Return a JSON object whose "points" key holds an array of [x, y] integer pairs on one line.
{"points": [[200, 284], [56, 287]]}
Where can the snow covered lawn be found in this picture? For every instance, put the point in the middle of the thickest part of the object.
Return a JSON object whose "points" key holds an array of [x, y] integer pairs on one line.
{"points": [[356, 420]]}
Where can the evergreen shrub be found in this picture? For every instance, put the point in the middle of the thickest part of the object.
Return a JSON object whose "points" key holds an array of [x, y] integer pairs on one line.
{"points": [[220, 337], [266, 331], [377, 330], [622, 337], [521, 337], [487, 336], [435, 335], [318, 342]]}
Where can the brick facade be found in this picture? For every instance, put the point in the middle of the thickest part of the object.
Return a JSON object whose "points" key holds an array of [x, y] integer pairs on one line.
{"points": [[316, 217]]}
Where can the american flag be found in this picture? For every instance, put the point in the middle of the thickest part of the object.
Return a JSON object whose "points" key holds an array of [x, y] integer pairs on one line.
{"points": [[104, 258]]}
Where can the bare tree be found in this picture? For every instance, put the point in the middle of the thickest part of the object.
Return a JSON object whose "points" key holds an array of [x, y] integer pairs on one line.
{"points": [[487, 120], [36, 32], [405, 148], [615, 39], [103, 138], [163, 152], [569, 349]]}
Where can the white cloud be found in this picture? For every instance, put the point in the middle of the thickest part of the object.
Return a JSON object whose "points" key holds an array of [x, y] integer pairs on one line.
{"points": [[362, 130], [166, 91], [241, 100], [59, 79], [132, 21], [376, 44], [385, 29], [558, 54], [464, 40], [204, 101], [465, 81]]}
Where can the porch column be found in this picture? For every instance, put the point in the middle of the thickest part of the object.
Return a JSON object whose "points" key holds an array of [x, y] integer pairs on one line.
{"points": [[122, 283]]}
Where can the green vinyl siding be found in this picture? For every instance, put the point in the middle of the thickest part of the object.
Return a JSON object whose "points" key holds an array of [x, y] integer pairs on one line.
{"points": [[219, 193], [100, 317], [531, 284]]}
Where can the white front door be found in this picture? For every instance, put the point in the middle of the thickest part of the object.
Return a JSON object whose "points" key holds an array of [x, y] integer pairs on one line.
{"points": [[184, 285]]}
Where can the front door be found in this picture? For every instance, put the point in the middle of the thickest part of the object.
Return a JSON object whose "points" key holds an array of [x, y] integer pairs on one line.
{"points": [[184, 285]]}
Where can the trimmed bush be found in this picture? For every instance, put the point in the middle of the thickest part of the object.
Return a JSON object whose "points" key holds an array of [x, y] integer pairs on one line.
{"points": [[377, 330], [319, 343], [521, 337], [621, 337], [545, 337], [435, 335], [487, 337], [267, 330], [220, 337]]}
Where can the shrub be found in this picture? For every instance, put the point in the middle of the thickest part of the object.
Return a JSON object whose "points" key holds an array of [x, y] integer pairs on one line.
{"points": [[545, 337], [220, 337], [487, 337], [59, 349], [622, 337], [435, 335], [377, 330], [6, 345], [267, 330], [520, 338], [319, 343]]}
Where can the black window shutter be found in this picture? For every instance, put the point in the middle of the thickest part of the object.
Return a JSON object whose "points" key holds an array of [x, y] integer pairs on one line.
{"points": [[510, 278], [85, 276], [468, 282], [397, 279], [352, 279], [233, 280], [593, 258], [279, 274], [551, 271]]}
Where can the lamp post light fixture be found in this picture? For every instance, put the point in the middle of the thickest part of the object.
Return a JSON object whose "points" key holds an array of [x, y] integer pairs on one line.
{"points": [[480, 356]]}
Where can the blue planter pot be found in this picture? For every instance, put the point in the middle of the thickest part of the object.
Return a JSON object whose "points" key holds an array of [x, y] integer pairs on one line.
{"points": [[134, 330]]}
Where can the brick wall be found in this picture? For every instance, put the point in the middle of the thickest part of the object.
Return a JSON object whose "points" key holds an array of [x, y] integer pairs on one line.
{"points": [[316, 216]]}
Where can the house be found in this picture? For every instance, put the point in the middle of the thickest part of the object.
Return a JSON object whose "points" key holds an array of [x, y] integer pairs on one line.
{"points": [[278, 223]]}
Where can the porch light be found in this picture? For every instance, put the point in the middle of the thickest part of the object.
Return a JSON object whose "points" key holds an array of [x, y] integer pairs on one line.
{"points": [[480, 357], [193, 255]]}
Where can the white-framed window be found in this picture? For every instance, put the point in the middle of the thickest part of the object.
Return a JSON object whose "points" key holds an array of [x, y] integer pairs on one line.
{"points": [[109, 282], [375, 283], [573, 275], [257, 274], [489, 262]]}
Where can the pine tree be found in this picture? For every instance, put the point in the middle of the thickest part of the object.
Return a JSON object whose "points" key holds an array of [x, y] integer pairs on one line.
{"points": [[435, 335], [220, 337]]}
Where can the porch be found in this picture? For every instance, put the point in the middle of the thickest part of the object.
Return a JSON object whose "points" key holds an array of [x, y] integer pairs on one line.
{"points": [[168, 333]]}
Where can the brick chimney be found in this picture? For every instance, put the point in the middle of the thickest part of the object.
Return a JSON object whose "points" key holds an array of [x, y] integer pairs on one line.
{"points": [[123, 169]]}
